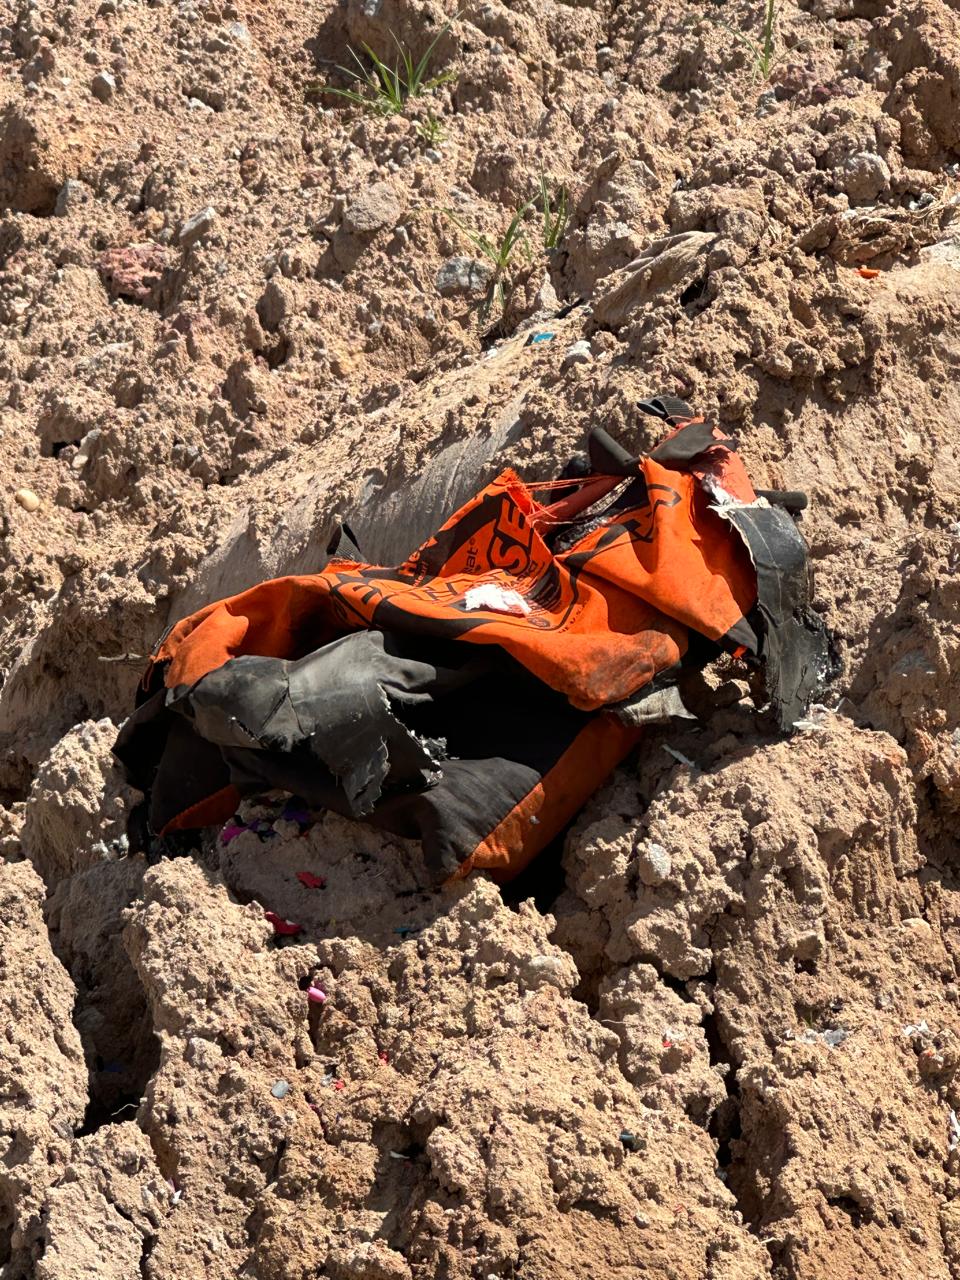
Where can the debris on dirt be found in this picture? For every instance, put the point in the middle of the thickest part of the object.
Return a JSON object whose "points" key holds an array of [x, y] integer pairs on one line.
{"points": [[915, 1029], [285, 928], [310, 880], [252, 709]]}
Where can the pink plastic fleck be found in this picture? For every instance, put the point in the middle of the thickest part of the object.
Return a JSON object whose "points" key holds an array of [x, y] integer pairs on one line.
{"points": [[286, 928], [310, 880]]}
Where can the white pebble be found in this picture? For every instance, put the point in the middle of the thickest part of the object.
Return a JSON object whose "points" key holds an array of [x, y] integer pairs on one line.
{"points": [[27, 499]]}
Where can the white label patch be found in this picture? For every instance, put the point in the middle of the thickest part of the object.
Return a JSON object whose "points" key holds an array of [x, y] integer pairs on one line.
{"points": [[497, 600]]}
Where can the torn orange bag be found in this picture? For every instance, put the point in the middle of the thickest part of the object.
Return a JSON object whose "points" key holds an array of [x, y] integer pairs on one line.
{"points": [[555, 610]]}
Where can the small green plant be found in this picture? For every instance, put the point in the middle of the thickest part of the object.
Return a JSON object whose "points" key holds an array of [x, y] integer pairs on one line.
{"points": [[498, 253], [430, 130], [386, 90], [762, 51], [555, 208]]}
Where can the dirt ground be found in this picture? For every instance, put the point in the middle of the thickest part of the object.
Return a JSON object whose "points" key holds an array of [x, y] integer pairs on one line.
{"points": [[716, 1036]]}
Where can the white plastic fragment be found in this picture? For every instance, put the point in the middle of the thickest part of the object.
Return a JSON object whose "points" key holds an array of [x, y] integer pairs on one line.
{"points": [[915, 1029], [954, 1140], [816, 718], [832, 1037], [679, 756], [497, 600]]}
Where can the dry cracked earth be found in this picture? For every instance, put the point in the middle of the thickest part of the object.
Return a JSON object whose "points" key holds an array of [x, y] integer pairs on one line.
{"points": [[715, 1035]]}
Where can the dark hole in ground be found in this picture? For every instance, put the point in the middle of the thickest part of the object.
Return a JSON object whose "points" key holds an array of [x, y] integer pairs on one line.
{"points": [[693, 299], [543, 881], [857, 1213], [117, 1086], [724, 1126], [277, 354], [58, 447], [148, 1245], [99, 1113], [15, 780]]}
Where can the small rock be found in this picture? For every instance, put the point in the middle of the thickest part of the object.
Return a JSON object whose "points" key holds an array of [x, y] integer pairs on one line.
{"points": [[654, 863], [767, 103], [87, 445], [70, 195], [197, 227], [577, 353], [864, 176], [461, 276], [641, 1221], [134, 271], [372, 209], [546, 299], [545, 971], [834, 1036], [27, 499], [103, 86], [280, 1089]]}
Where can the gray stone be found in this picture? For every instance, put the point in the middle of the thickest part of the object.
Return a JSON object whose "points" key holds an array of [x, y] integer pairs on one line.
{"points": [[653, 863], [546, 299], [461, 276], [197, 227], [372, 209], [103, 86], [280, 1089], [577, 353], [863, 177], [767, 103], [69, 197]]}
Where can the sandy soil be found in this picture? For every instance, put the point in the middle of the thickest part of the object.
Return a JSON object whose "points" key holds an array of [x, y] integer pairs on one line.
{"points": [[715, 1036]]}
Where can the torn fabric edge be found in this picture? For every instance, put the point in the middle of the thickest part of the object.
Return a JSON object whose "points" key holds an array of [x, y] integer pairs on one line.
{"points": [[652, 706], [333, 702], [796, 648]]}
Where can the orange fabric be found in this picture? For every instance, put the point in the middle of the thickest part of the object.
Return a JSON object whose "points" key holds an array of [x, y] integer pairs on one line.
{"points": [[516, 841], [602, 619], [280, 618], [677, 555], [595, 622], [722, 465], [211, 811]]}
